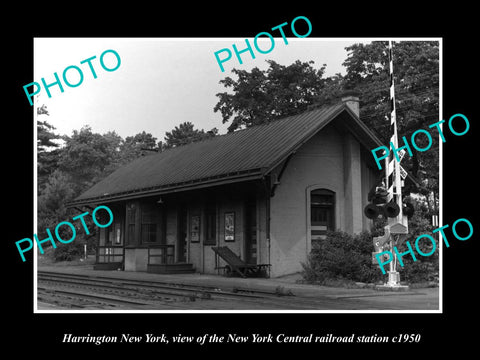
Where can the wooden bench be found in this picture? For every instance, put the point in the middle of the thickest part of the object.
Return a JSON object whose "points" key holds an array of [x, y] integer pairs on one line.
{"points": [[235, 264]]}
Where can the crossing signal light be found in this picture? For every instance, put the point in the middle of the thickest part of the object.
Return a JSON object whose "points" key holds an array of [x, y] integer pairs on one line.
{"points": [[390, 209], [371, 211]]}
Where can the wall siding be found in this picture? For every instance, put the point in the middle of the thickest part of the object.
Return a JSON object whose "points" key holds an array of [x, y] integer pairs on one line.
{"points": [[317, 164]]}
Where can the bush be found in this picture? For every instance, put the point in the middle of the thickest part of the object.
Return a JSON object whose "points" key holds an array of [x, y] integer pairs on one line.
{"points": [[342, 256], [68, 252], [425, 268], [74, 249]]}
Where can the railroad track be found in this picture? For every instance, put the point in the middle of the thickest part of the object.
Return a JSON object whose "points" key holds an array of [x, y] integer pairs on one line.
{"points": [[109, 292], [120, 287], [78, 291], [70, 299]]}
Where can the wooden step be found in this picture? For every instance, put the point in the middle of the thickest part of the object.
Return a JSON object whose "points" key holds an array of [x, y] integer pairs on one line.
{"points": [[181, 268]]}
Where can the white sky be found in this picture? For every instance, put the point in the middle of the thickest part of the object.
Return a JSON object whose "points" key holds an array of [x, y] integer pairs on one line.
{"points": [[160, 83]]}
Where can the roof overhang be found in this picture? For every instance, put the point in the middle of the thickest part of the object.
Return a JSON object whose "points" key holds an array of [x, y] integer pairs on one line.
{"points": [[255, 174]]}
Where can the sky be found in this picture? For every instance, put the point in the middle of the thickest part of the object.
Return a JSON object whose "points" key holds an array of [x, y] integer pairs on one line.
{"points": [[160, 83]]}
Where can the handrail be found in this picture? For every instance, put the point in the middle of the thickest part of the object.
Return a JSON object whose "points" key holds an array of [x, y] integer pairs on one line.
{"points": [[109, 253], [166, 256]]}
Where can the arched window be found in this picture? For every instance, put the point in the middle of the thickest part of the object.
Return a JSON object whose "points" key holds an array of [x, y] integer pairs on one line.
{"points": [[322, 213]]}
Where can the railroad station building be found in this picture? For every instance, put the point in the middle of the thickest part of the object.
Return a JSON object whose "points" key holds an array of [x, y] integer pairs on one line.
{"points": [[268, 193]]}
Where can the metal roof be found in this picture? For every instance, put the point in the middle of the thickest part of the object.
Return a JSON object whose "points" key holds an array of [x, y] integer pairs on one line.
{"points": [[242, 155]]}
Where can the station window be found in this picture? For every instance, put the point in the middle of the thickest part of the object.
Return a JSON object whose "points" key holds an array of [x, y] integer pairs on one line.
{"points": [[322, 211], [150, 219]]}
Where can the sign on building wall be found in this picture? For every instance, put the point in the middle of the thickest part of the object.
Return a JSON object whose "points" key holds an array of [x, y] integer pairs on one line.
{"points": [[230, 226], [195, 228]]}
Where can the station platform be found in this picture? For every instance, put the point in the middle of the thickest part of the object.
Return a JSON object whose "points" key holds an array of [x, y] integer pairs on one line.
{"points": [[286, 285]]}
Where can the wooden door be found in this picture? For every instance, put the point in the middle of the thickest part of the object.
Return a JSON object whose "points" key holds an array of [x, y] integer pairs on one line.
{"points": [[182, 235], [250, 231]]}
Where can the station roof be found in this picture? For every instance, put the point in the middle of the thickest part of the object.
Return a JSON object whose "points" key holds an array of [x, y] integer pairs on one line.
{"points": [[242, 155]]}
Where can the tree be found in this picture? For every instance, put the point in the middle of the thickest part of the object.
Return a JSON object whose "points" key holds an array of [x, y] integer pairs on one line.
{"points": [[184, 134], [142, 140], [416, 71], [135, 146], [87, 157], [45, 135], [262, 96], [416, 75], [84, 159], [51, 203], [47, 149], [52, 210]]}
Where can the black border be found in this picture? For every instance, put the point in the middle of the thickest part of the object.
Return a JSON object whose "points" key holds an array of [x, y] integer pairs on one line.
{"points": [[43, 332]]}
